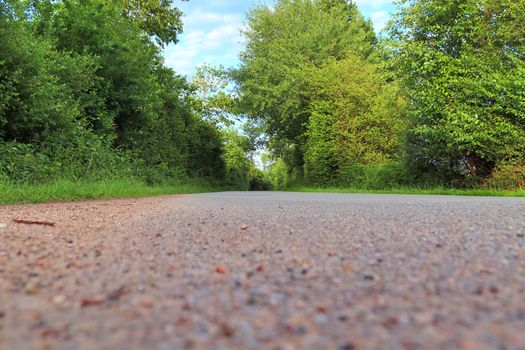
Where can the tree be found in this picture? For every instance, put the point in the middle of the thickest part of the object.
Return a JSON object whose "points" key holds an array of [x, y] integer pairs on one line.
{"points": [[211, 96], [463, 63], [157, 18], [357, 118], [311, 75], [238, 165], [84, 94]]}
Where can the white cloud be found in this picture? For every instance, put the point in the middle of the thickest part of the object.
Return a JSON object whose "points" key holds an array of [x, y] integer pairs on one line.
{"points": [[210, 37], [379, 18]]}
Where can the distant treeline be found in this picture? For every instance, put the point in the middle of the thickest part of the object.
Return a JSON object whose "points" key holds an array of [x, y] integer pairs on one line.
{"points": [[437, 100]]}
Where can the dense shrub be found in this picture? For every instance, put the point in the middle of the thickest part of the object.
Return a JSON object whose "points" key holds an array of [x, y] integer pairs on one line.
{"points": [[507, 177], [84, 95], [463, 69]]}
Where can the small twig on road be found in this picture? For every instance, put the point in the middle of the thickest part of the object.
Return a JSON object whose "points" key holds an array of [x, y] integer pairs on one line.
{"points": [[32, 222]]}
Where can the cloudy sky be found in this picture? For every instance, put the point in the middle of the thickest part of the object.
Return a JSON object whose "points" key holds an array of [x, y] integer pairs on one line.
{"points": [[212, 31]]}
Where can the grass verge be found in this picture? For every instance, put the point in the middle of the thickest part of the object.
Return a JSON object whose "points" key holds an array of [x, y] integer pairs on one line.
{"points": [[416, 191], [71, 190]]}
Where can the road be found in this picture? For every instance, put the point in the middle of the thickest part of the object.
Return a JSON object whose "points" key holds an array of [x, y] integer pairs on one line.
{"points": [[265, 270]]}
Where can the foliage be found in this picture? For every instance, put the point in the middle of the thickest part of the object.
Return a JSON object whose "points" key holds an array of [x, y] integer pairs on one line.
{"points": [[506, 177], [279, 175], [259, 180], [238, 166], [155, 17], [311, 75], [212, 98], [85, 95], [462, 63], [357, 118], [281, 42]]}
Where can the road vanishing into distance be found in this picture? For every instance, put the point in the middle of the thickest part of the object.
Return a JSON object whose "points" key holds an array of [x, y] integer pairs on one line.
{"points": [[264, 270]]}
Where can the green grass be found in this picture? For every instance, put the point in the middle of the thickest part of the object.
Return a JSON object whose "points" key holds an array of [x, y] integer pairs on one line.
{"points": [[416, 191], [66, 190]]}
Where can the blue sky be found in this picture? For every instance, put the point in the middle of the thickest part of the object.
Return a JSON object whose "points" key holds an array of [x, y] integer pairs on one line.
{"points": [[212, 31]]}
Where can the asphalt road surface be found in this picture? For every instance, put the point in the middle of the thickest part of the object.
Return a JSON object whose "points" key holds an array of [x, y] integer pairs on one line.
{"points": [[263, 270]]}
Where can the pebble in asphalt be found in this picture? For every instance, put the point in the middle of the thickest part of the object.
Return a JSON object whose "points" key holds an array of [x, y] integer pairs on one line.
{"points": [[265, 270]]}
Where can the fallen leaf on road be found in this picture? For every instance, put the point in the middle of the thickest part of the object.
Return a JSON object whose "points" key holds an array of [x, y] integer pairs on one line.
{"points": [[321, 309], [227, 330], [244, 227], [220, 269]]}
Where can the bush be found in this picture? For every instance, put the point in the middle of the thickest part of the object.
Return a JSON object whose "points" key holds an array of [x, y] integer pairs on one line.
{"points": [[22, 163], [279, 175], [506, 177], [393, 174], [259, 180]]}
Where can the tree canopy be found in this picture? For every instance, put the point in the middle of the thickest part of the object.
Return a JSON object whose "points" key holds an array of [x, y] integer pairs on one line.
{"points": [[462, 63], [436, 99], [84, 93], [311, 73]]}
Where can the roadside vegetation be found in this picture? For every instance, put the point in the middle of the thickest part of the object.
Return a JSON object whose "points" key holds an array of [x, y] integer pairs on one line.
{"points": [[435, 104], [436, 101], [87, 108], [67, 190]]}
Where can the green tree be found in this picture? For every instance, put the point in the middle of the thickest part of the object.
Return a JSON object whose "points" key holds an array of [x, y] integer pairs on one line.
{"points": [[84, 93], [357, 118], [157, 18], [43, 104], [281, 42], [463, 64], [238, 165], [212, 97], [311, 75]]}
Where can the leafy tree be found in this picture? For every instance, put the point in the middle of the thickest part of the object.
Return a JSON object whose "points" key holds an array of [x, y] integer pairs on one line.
{"points": [[357, 117], [212, 97], [33, 102], [311, 75], [463, 66], [84, 94], [281, 42], [279, 174], [238, 166], [205, 150], [127, 62], [44, 128], [157, 18]]}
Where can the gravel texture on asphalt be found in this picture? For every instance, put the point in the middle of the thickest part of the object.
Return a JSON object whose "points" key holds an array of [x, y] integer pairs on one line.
{"points": [[263, 270]]}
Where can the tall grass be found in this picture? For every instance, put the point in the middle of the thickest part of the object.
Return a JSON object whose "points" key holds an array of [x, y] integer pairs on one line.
{"points": [[58, 190], [414, 191]]}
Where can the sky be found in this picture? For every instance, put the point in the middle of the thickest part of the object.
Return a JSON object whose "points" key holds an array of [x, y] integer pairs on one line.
{"points": [[212, 31]]}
